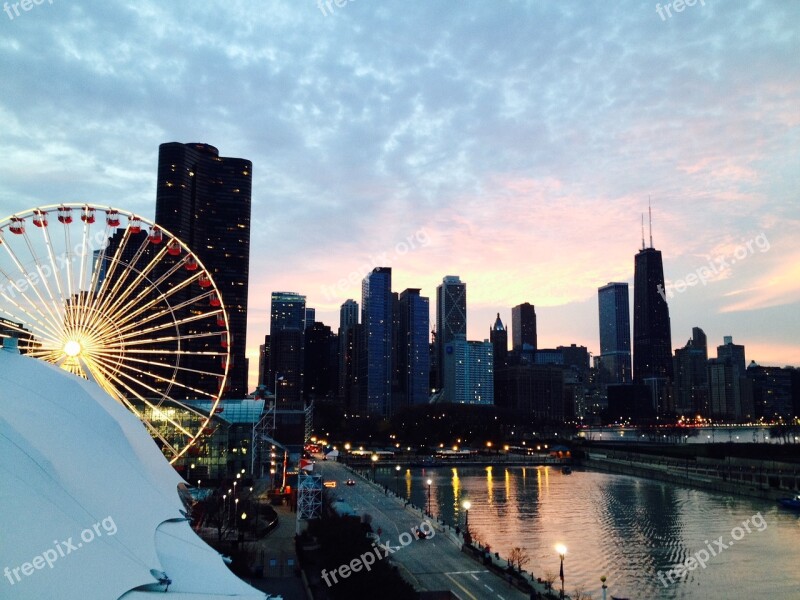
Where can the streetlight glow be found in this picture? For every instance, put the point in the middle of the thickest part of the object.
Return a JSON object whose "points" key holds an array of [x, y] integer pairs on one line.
{"points": [[561, 549]]}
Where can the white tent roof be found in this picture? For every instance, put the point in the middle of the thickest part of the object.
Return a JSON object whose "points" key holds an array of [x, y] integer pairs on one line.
{"points": [[90, 507]]}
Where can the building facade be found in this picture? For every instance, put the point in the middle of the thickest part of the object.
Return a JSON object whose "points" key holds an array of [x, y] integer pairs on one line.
{"points": [[615, 333], [451, 317], [377, 321], [205, 200]]}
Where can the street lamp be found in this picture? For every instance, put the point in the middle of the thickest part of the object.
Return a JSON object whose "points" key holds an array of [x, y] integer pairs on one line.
{"points": [[605, 587], [374, 459], [562, 550], [467, 505], [430, 481], [396, 475]]}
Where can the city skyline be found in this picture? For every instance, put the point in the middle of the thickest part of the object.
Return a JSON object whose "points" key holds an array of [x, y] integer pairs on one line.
{"points": [[518, 151]]}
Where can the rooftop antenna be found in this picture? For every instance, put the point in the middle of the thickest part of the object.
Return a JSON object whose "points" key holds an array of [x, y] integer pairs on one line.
{"points": [[642, 231], [650, 215]]}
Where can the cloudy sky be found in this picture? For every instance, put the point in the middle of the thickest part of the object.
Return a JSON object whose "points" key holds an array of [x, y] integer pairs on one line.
{"points": [[513, 143]]}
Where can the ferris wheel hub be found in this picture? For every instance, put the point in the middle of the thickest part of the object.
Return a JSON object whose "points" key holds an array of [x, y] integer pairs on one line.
{"points": [[72, 348]]}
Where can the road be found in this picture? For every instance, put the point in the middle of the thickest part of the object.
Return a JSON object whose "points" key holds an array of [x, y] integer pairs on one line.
{"points": [[436, 563]]}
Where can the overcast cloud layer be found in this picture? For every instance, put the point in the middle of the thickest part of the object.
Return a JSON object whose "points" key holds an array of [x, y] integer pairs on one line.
{"points": [[512, 143]]}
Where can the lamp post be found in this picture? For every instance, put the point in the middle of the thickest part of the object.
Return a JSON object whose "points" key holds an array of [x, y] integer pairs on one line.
{"points": [[605, 587], [430, 481], [562, 550], [374, 459], [396, 475], [224, 508], [467, 537]]}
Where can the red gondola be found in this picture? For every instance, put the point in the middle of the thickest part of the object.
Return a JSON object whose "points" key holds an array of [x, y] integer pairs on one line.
{"points": [[224, 339], [40, 218], [190, 264], [17, 225], [219, 409], [112, 218], [173, 248], [135, 224], [220, 320], [87, 215], [214, 300], [64, 215], [204, 280], [155, 236], [209, 430]]}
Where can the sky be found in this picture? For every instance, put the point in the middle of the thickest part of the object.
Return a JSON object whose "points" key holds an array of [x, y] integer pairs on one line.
{"points": [[512, 143]]}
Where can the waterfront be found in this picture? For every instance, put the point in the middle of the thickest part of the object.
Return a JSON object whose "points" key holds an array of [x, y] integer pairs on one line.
{"points": [[625, 528], [735, 434]]}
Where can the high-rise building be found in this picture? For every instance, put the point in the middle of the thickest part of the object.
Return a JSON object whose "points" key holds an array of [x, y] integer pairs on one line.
{"points": [[377, 321], [615, 333], [413, 354], [498, 335], [311, 317], [263, 362], [691, 375], [775, 392], [725, 374], [469, 371], [451, 317], [320, 365], [204, 199], [652, 338], [523, 328], [287, 348], [348, 377]]}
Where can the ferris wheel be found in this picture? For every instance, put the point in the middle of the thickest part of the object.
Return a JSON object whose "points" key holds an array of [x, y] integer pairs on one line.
{"points": [[116, 299]]}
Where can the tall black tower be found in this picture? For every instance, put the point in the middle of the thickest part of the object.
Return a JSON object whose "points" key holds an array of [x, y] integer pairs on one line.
{"points": [[652, 338], [204, 199]]}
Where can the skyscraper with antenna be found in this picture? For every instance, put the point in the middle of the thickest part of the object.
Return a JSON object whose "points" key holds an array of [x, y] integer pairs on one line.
{"points": [[652, 338]]}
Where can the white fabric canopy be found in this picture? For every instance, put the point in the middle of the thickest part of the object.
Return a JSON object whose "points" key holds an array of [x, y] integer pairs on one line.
{"points": [[88, 505]]}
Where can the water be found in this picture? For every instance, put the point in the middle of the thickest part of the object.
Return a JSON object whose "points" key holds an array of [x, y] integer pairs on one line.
{"points": [[625, 528]]}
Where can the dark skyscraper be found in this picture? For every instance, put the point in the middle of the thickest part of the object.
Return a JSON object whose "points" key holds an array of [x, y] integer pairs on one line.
{"points": [[204, 199], [615, 332], [523, 327], [376, 318], [287, 342], [691, 375], [498, 335], [652, 338], [451, 316], [348, 376], [413, 351]]}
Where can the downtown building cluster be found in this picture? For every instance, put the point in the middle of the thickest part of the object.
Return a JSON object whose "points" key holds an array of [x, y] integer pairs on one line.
{"points": [[386, 355]]}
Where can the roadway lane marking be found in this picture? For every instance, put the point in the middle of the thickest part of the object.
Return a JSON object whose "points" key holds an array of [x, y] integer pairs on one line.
{"points": [[461, 587], [488, 588], [473, 576]]}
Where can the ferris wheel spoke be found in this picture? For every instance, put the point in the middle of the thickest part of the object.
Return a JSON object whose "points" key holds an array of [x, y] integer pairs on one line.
{"points": [[53, 266], [53, 320], [130, 358], [115, 298], [125, 325], [116, 377], [130, 333], [121, 317], [106, 293], [36, 325]]}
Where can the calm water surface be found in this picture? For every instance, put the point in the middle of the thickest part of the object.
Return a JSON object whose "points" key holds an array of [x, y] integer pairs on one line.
{"points": [[625, 528]]}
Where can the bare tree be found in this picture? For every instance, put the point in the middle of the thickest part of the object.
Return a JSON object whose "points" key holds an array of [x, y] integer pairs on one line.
{"points": [[519, 557], [581, 594], [549, 578]]}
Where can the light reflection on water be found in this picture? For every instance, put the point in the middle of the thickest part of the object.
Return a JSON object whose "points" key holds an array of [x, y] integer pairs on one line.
{"points": [[626, 528]]}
